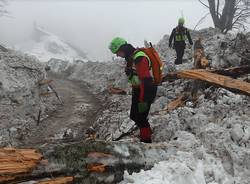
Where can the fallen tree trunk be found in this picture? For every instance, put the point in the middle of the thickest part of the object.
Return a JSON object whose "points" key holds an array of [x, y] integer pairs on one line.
{"points": [[237, 86], [232, 72], [87, 162], [16, 163]]}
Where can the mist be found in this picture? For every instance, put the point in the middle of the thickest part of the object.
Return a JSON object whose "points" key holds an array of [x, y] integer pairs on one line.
{"points": [[90, 25]]}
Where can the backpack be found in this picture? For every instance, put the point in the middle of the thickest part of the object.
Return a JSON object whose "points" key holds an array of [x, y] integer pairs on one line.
{"points": [[156, 63]]}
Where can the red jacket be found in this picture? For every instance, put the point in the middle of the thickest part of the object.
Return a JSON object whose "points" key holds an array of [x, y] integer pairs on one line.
{"points": [[143, 72]]}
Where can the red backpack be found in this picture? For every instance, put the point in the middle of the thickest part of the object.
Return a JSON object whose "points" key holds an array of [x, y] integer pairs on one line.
{"points": [[156, 63]]}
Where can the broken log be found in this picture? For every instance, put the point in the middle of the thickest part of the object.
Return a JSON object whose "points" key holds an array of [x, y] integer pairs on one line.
{"points": [[200, 60], [16, 163], [237, 86], [178, 102], [232, 72], [86, 161]]}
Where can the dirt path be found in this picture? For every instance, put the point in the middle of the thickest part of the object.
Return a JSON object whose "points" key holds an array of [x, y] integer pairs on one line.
{"points": [[71, 120]]}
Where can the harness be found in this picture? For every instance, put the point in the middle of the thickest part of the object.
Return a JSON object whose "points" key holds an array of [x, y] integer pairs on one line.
{"points": [[180, 35]]}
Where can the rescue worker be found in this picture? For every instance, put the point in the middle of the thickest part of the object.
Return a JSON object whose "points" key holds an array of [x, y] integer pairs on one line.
{"points": [[143, 88], [180, 34]]}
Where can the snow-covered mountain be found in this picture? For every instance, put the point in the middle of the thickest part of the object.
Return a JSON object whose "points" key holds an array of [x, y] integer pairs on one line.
{"points": [[45, 46]]}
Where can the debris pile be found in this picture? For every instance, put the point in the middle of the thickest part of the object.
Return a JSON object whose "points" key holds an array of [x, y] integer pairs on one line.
{"points": [[201, 138], [20, 100]]}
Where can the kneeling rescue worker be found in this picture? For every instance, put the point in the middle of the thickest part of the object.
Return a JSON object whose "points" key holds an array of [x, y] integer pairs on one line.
{"points": [[141, 64]]}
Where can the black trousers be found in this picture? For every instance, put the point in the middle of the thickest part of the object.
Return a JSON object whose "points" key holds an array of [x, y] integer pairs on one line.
{"points": [[141, 119], [179, 53]]}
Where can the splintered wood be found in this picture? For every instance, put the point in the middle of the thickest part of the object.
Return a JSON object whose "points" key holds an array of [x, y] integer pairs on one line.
{"points": [[220, 80], [17, 162], [99, 168], [200, 60], [178, 102], [60, 180], [223, 81], [97, 159], [117, 91]]}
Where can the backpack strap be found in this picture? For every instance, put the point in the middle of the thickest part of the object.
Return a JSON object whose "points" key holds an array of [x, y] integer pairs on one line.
{"points": [[142, 54]]}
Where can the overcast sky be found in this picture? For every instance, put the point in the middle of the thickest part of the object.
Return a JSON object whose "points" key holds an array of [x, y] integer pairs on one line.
{"points": [[91, 24]]}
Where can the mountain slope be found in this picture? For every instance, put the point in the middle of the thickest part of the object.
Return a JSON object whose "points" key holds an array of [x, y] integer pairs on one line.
{"points": [[45, 46]]}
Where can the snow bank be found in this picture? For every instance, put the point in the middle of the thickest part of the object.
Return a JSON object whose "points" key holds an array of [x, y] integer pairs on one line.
{"points": [[20, 99], [182, 169]]}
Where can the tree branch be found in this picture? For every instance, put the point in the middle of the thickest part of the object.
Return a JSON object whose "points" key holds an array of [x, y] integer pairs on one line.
{"points": [[200, 21], [203, 4]]}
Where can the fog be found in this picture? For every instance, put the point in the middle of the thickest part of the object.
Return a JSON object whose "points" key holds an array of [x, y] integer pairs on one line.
{"points": [[90, 25]]}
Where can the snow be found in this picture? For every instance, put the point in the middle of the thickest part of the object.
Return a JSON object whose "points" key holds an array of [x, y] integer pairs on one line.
{"points": [[218, 124], [45, 46], [167, 172], [182, 168], [212, 136], [20, 99]]}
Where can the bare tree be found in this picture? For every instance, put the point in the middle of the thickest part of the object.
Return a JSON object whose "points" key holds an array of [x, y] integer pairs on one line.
{"points": [[3, 11], [228, 14]]}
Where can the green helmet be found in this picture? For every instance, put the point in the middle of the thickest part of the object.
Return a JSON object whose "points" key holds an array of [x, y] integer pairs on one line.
{"points": [[116, 43], [181, 21]]}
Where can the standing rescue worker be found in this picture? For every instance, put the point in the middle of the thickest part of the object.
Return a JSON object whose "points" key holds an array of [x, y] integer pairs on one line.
{"points": [[143, 88], [180, 34]]}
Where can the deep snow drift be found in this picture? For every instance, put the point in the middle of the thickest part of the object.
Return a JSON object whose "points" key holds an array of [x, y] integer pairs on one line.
{"points": [[219, 122]]}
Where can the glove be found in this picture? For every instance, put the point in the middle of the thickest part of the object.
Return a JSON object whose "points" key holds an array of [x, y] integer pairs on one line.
{"points": [[142, 107], [134, 80]]}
